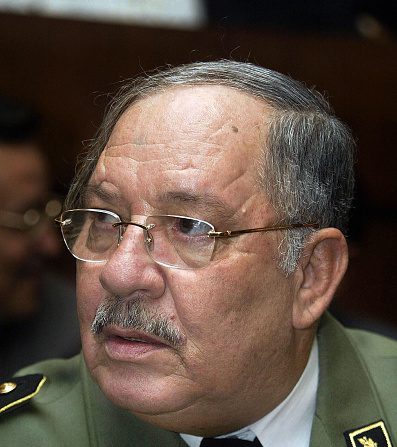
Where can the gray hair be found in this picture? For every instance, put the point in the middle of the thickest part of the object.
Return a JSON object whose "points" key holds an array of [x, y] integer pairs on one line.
{"points": [[306, 167]]}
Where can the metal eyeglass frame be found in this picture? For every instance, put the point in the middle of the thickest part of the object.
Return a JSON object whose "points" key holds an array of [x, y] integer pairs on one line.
{"points": [[148, 238]]}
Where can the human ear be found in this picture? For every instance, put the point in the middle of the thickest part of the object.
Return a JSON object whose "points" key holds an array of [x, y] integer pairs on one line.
{"points": [[321, 268]]}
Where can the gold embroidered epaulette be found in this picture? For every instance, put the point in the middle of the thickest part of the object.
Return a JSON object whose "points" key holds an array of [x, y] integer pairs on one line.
{"points": [[19, 390], [372, 435]]}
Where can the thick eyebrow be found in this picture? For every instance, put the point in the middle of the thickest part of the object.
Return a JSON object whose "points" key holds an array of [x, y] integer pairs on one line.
{"points": [[205, 203], [97, 191]]}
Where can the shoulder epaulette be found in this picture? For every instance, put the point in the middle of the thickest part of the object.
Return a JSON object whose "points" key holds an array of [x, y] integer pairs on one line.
{"points": [[19, 390]]}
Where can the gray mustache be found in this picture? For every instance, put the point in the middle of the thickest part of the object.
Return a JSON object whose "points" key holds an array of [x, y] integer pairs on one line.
{"points": [[131, 314]]}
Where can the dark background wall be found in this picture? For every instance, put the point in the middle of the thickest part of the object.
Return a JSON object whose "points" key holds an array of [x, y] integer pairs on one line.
{"points": [[67, 68]]}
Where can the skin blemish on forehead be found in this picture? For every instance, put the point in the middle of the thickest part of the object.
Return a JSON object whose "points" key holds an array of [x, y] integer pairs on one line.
{"points": [[235, 129]]}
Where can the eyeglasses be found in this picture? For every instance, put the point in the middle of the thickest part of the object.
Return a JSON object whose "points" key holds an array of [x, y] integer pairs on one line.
{"points": [[92, 235], [31, 218]]}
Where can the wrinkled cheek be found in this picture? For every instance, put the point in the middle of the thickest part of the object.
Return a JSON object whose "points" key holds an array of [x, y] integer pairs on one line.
{"points": [[89, 295], [88, 298], [214, 362]]}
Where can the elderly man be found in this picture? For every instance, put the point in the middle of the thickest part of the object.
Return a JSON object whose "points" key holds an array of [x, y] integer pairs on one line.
{"points": [[208, 223]]}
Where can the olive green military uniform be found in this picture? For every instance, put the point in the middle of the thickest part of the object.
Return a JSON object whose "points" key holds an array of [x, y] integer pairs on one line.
{"points": [[356, 403]]}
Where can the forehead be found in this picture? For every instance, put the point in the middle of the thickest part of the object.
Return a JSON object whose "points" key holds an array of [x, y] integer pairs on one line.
{"points": [[213, 111], [193, 138]]}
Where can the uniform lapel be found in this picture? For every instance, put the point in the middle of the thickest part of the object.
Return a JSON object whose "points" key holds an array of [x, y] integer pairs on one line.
{"points": [[346, 399]]}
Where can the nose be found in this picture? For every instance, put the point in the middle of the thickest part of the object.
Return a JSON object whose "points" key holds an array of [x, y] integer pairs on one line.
{"points": [[130, 270]]}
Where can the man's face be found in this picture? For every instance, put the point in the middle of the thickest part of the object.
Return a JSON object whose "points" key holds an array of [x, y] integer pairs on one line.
{"points": [[23, 186], [191, 151]]}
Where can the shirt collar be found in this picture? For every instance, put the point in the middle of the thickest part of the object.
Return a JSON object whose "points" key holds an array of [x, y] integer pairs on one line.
{"points": [[289, 424]]}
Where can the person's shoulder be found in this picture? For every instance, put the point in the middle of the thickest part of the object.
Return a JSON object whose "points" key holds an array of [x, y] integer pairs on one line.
{"points": [[378, 356], [39, 400], [60, 368], [372, 353], [372, 345], [59, 376], [367, 345]]}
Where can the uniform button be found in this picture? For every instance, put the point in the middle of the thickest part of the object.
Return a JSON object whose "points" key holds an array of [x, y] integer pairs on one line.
{"points": [[7, 387]]}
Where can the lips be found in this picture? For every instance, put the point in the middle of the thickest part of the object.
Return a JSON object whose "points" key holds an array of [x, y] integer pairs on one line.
{"points": [[130, 344], [134, 339]]}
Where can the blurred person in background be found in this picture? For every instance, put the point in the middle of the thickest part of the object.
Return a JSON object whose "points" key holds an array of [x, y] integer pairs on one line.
{"points": [[33, 301]]}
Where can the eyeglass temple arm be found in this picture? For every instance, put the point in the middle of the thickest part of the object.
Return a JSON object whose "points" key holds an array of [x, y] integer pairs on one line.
{"points": [[230, 233]]}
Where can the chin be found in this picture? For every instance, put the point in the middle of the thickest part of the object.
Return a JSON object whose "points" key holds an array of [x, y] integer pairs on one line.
{"points": [[137, 391]]}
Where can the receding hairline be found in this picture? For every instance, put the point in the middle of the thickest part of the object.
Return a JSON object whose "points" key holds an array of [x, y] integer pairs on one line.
{"points": [[268, 112], [279, 90]]}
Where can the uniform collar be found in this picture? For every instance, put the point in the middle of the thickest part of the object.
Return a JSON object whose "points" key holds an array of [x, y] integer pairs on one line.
{"points": [[346, 397]]}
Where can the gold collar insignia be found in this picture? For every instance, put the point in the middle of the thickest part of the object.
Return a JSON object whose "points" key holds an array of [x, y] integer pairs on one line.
{"points": [[373, 435]]}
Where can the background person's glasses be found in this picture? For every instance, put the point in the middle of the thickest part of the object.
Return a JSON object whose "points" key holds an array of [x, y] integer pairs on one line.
{"points": [[92, 235], [31, 218]]}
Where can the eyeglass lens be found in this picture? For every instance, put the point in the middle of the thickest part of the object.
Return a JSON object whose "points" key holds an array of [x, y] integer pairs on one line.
{"points": [[175, 241], [180, 241]]}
